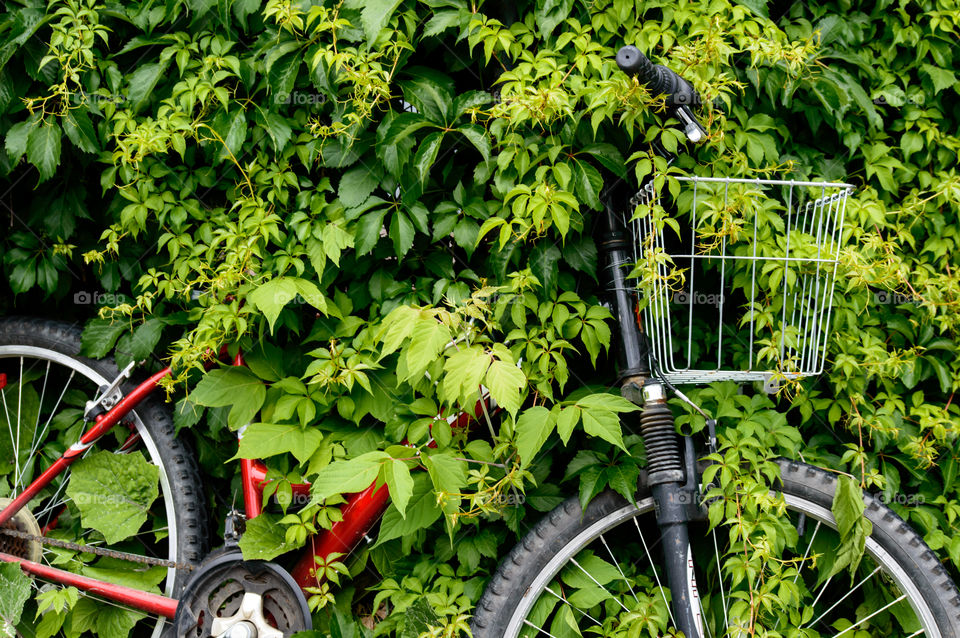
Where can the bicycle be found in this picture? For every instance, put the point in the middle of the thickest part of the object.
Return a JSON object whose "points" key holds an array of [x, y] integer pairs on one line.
{"points": [[222, 595]]}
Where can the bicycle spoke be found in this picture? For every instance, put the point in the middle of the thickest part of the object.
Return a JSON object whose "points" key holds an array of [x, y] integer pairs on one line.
{"points": [[590, 576], [16, 445], [53, 412], [863, 620], [807, 551], [572, 606], [843, 598], [36, 440], [656, 576], [540, 629], [723, 598], [617, 563]]}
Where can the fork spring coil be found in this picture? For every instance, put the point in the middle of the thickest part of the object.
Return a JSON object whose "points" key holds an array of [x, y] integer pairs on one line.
{"points": [[660, 439]]}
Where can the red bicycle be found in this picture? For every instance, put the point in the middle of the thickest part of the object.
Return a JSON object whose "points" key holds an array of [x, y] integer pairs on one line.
{"points": [[116, 529]]}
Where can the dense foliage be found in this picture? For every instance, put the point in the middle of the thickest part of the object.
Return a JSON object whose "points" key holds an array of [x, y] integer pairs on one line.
{"points": [[343, 189]]}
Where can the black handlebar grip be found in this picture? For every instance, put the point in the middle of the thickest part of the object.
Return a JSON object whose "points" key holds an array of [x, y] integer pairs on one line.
{"points": [[658, 79], [632, 62]]}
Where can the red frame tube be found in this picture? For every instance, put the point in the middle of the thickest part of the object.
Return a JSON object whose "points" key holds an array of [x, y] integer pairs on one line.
{"points": [[142, 600], [253, 475], [361, 512]]}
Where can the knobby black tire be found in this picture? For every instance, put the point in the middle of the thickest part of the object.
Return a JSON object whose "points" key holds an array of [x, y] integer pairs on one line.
{"points": [[561, 526], [174, 454]]}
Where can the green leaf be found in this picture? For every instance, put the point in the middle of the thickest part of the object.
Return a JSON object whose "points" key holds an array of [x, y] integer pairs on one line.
{"points": [[600, 415], [343, 477], [581, 254], [550, 13], [14, 592], [309, 292], [941, 78], [759, 7], [595, 571], [430, 92], [567, 421], [271, 297], [278, 128], [449, 476], [422, 511], [114, 492], [403, 126], [16, 140], [463, 373], [261, 440], [264, 538], [477, 136], [108, 621], [543, 264], [505, 382], [427, 340], [427, 154], [854, 528], [98, 337], [121, 572], [533, 428], [244, 8], [440, 22], [418, 618], [282, 75], [402, 233], [43, 149], [143, 81], [587, 183], [234, 386], [609, 157], [606, 401], [368, 231], [396, 475], [356, 185], [140, 344], [80, 130], [375, 16]]}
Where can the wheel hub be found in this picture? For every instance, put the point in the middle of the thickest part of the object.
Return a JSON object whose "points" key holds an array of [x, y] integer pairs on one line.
{"points": [[228, 597], [22, 521]]}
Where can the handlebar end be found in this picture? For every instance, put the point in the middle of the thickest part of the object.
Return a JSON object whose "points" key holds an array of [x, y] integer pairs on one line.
{"points": [[628, 59]]}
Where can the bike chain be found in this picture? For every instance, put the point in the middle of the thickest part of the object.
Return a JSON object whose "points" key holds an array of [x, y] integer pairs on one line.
{"points": [[99, 551]]}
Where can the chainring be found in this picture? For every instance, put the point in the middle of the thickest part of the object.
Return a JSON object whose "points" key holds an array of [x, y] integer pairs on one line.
{"points": [[22, 542], [219, 585]]}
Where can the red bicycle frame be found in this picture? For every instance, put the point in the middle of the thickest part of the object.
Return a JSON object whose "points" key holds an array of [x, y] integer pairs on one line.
{"points": [[360, 513]]}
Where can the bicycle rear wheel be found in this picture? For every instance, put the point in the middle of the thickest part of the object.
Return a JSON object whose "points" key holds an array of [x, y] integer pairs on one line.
{"points": [[136, 491], [599, 570]]}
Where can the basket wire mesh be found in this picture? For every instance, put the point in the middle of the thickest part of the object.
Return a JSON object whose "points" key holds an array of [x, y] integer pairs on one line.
{"points": [[759, 266]]}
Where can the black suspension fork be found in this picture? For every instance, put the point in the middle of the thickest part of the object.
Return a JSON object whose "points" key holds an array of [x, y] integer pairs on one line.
{"points": [[665, 462]]}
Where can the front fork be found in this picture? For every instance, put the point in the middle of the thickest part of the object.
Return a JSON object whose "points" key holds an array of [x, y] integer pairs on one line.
{"points": [[671, 472], [673, 481]]}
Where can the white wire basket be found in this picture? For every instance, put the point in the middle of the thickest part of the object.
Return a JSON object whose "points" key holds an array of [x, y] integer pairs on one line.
{"points": [[745, 292]]}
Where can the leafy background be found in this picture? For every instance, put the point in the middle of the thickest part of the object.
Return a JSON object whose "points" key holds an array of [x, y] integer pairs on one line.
{"points": [[341, 189]]}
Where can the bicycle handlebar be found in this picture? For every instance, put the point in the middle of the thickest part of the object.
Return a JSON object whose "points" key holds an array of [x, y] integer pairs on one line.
{"points": [[662, 81]]}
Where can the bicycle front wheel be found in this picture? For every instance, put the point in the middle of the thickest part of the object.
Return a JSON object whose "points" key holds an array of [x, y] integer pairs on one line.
{"points": [[136, 491], [598, 572]]}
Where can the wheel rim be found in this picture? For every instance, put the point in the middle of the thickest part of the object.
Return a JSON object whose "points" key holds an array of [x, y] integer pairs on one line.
{"points": [[541, 585], [29, 359]]}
